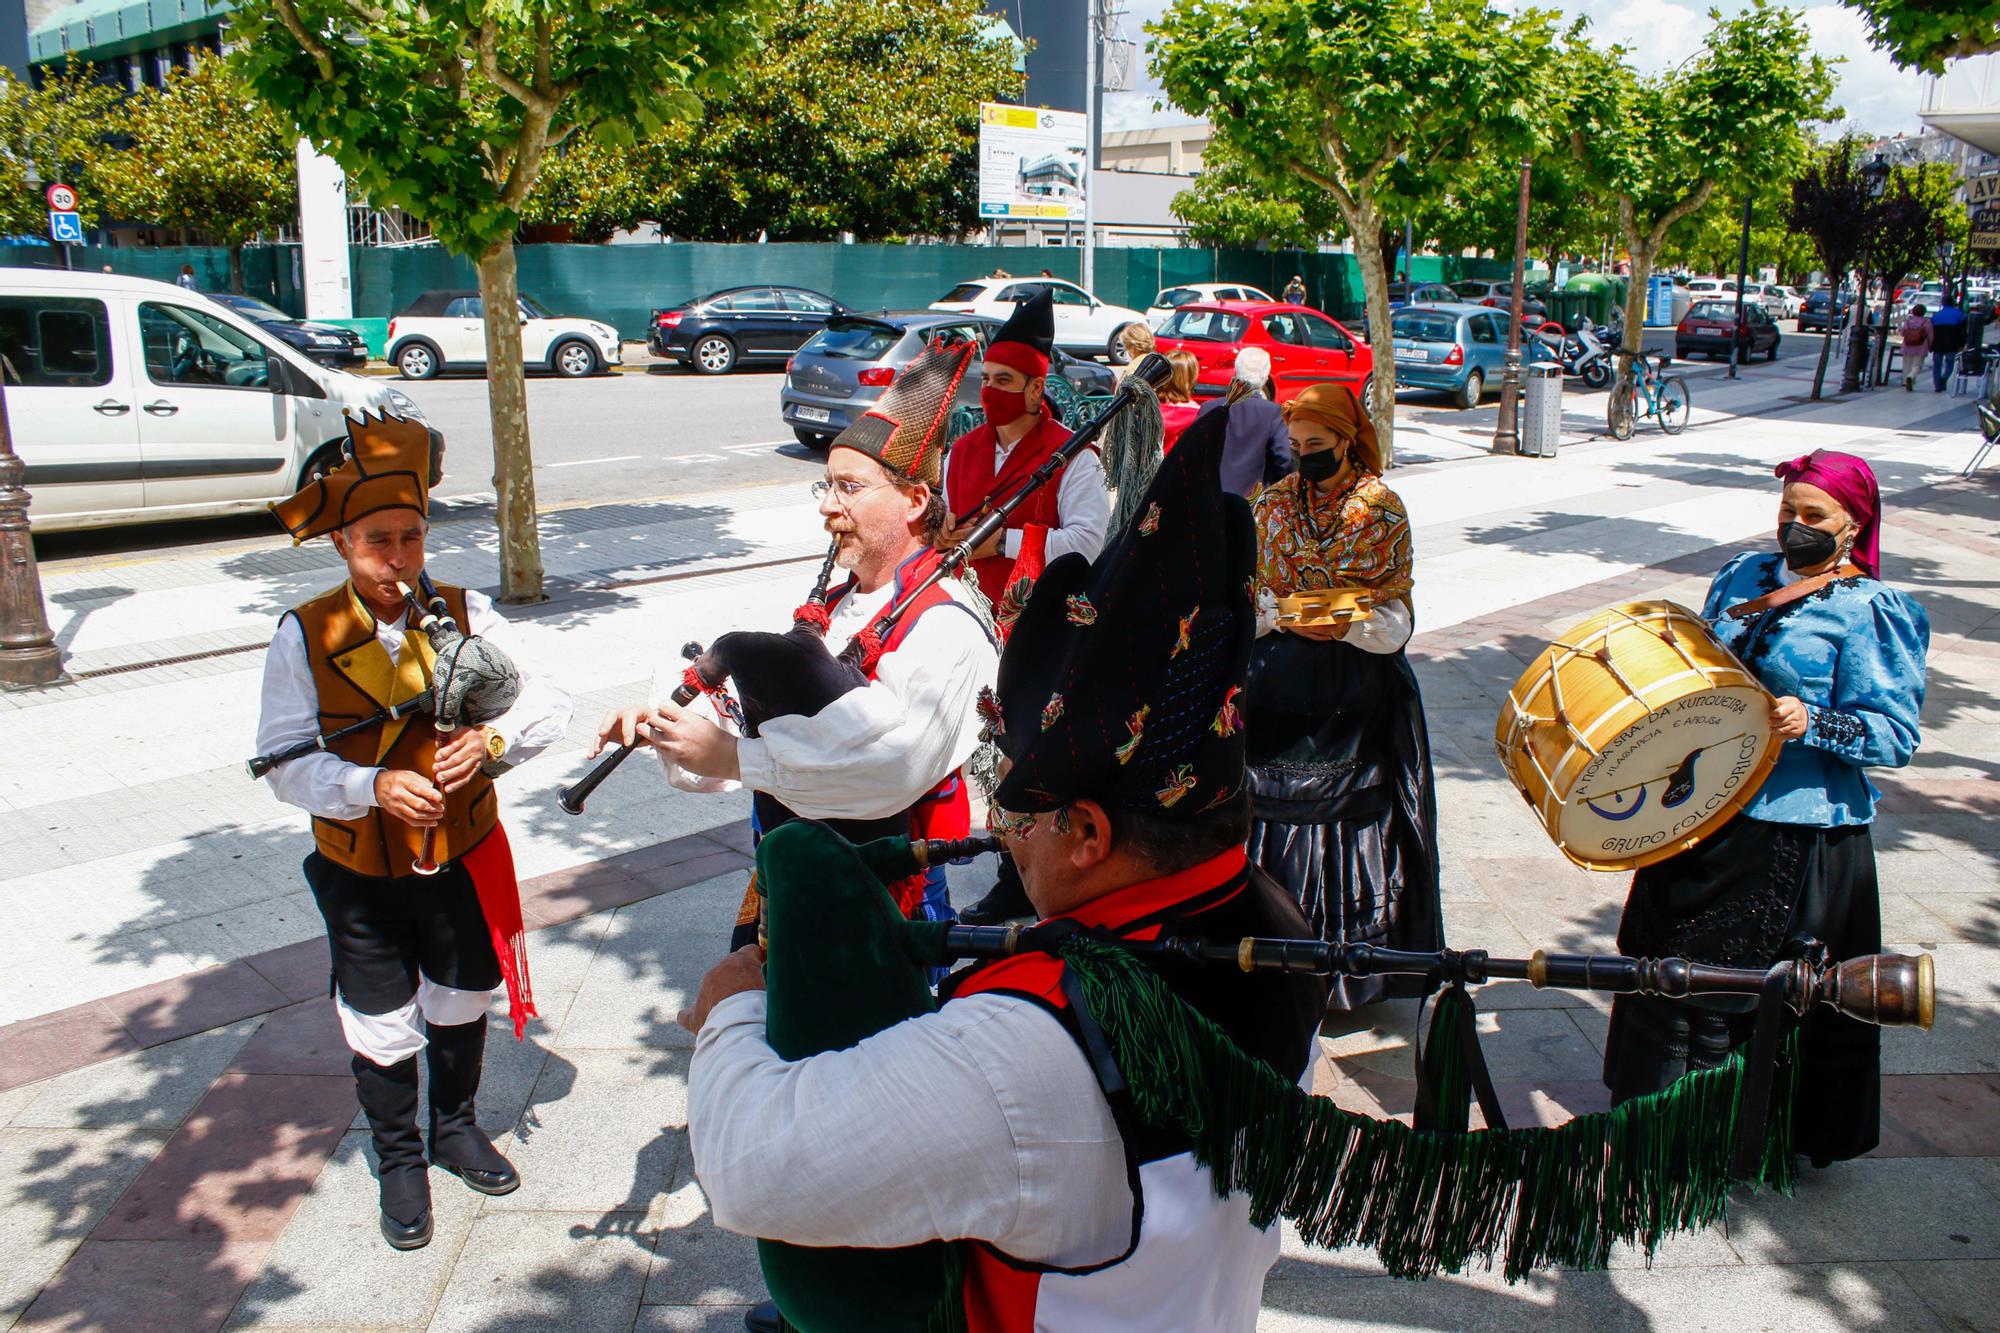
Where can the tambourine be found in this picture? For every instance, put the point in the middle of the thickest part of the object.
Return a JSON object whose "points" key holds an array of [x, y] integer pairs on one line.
{"points": [[1325, 606]]}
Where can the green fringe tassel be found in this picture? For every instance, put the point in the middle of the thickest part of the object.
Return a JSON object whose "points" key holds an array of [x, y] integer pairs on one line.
{"points": [[1428, 1202]]}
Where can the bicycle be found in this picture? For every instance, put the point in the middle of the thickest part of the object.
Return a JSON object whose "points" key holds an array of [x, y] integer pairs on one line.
{"points": [[1667, 399]]}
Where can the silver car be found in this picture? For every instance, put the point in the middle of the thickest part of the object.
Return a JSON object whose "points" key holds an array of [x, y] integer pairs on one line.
{"points": [[843, 370]]}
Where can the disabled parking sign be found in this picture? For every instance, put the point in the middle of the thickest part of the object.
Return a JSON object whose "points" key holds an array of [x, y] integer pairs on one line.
{"points": [[65, 228]]}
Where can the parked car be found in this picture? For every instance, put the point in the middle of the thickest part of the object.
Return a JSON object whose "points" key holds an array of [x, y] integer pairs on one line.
{"points": [[1813, 314], [1421, 293], [135, 401], [1085, 326], [1500, 296], [1171, 299], [1459, 348], [1710, 327], [844, 369], [328, 344], [1704, 287], [446, 330], [739, 325], [1305, 346], [1788, 297]]}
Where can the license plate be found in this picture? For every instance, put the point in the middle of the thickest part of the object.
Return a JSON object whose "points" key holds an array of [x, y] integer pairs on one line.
{"points": [[818, 414]]}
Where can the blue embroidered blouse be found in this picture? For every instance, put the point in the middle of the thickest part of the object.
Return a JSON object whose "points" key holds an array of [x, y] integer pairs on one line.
{"points": [[1853, 654]]}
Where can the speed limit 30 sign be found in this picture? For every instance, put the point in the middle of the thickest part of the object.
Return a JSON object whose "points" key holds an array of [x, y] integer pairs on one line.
{"points": [[62, 199]]}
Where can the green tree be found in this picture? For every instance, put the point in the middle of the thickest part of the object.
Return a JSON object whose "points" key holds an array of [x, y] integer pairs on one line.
{"points": [[1660, 147], [57, 132], [594, 190], [1833, 206], [1912, 219], [1926, 33], [1234, 205], [204, 155], [1565, 215], [1362, 99], [449, 108]]}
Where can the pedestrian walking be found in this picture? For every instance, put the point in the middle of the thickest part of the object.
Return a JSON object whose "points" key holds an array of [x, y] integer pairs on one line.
{"points": [[1295, 290], [1257, 449], [185, 281], [1947, 341], [1916, 345]]}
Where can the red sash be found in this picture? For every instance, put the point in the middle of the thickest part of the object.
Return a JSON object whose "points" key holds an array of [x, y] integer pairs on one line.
{"points": [[971, 482]]}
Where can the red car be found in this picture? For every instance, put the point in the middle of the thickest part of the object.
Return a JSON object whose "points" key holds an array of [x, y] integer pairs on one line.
{"points": [[1305, 346]]}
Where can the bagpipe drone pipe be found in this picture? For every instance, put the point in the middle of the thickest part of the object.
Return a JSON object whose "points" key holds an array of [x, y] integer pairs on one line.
{"points": [[794, 673], [843, 964]]}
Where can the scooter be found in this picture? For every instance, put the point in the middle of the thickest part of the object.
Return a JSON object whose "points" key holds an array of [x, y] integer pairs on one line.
{"points": [[1587, 355]]}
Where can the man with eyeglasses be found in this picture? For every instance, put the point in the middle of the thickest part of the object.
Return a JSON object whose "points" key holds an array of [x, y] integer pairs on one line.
{"points": [[891, 750]]}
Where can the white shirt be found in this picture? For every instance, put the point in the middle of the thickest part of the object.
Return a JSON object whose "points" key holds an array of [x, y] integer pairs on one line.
{"points": [[328, 786], [979, 1121], [1083, 508], [873, 751]]}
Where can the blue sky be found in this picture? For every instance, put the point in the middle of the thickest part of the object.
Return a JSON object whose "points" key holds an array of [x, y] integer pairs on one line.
{"points": [[1876, 95]]}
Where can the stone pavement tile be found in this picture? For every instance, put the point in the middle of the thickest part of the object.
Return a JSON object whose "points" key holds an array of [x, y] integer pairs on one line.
{"points": [[649, 964], [35, 1048], [601, 1134], [1348, 1297], [559, 956], [195, 1003], [690, 1319], [151, 1089], [1974, 917], [1966, 972], [1729, 1300], [696, 1262], [1964, 1295], [536, 1271], [330, 1268], [299, 970], [564, 895], [1940, 1115], [14, 1099], [54, 1186], [734, 835], [298, 1039], [146, 1286], [1906, 925], [1521, 1045], [240, 1164], [1871, 1210], [1964, 1040]]}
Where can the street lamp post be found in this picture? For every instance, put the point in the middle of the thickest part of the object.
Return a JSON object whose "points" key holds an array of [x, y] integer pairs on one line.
{"points": [[1876, 173], [28, 652], [1944, 253], [1736, 347], [1507, 432]]}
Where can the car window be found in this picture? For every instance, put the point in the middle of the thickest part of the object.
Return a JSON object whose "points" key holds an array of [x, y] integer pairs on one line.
{"points": [[1325, 333], [1423, 326], [1217, 326], [955, 335], [1480, 329], [805, 302], [1471, 291], [54, 341], [1715, 310], [1286, 329], [1069, 295], [852, 342], [465, 307], [759, 300], [1176, 296], [1018, 293], [186, 347], [962, 294]]}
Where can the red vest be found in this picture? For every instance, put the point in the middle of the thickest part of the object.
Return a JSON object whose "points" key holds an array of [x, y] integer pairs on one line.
{"points": [[974, 488]]}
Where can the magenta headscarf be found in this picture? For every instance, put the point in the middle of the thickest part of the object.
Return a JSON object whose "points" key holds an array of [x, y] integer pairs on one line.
{"points": [[1852, 482]]}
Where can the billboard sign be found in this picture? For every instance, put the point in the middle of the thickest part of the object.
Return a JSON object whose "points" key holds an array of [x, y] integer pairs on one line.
{"points": [[1982, 197], [1031, 163]]}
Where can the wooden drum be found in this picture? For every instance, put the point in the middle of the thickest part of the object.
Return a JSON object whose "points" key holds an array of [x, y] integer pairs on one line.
{"points": [[1635, 734]]}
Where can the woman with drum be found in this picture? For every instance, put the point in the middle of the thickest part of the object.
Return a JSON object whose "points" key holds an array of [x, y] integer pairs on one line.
{"points": [[1843, 653], [1345, 814]]}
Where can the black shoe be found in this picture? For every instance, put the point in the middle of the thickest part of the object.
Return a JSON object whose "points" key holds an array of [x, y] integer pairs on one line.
{"points": [[763, 1318], [456, 1055], [1007, 901], [503, 1181], [407, 1235], [389, 1097]]}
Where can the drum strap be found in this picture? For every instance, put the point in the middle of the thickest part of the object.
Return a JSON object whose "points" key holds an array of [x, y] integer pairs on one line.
{"points": [[1785, 596]]}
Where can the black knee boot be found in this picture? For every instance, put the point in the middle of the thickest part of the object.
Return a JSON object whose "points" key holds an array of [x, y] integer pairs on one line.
{"points": [[458, 1144], [389, 1096]]}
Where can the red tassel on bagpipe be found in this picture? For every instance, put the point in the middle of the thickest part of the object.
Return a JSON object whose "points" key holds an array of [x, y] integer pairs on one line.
{"points": [[812, 614], [870, 642]]}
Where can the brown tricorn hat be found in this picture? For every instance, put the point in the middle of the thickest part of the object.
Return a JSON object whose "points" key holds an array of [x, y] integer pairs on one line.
{"points": [[906, 430], [387, 465]]}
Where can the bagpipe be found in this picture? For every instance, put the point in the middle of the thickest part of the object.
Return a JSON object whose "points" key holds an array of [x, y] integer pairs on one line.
{"points": [[794, 673], [843, 963], [471, 683]]}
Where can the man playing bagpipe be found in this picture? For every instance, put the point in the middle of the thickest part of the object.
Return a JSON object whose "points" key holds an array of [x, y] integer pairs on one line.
{"points": [[1123, 801], [888, 753], [416, 953]]}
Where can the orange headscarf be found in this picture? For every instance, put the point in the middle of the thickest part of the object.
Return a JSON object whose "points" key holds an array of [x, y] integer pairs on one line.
{"points": [[1335, 407]]}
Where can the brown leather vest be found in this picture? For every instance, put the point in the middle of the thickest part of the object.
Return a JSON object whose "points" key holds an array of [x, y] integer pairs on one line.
{"points": [[354, 678]]}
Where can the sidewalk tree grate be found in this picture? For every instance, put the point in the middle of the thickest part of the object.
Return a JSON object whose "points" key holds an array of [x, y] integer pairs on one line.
{"points": [[129, 667]]}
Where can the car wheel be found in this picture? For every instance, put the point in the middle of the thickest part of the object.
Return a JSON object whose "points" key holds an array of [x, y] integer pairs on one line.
{"points": [[573, 359], [1472, 390], [714, 355], [418, 361], [1367, 390], [324, 460], [1114, 350], [814, 440], [1772, 355]]}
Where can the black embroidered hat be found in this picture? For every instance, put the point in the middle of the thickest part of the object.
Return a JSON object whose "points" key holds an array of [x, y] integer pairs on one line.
{"points": [[1123, 680], [1029, 335]]}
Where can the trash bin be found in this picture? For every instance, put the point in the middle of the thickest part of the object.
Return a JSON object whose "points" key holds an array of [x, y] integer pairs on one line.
{"points": [[1567, 308], [1659, 302], [1541, 410]]}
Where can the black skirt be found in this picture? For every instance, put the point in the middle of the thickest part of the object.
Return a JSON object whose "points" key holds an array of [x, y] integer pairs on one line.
{"points": [[1733, 900], [1344, 810]]}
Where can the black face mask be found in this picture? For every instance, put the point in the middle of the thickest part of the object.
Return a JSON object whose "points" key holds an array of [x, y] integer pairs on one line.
{"points": [[1319, 465], [1805, 546]]}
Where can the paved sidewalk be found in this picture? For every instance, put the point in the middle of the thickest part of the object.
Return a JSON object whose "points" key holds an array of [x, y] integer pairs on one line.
{"points": [[177, 1146]]}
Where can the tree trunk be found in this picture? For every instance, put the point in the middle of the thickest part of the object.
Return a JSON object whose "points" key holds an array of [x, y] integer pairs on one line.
{"points": [[1882, 343], [1633, 343], [1364, 224], [236, 268], [507, 404], [1825, 345]]}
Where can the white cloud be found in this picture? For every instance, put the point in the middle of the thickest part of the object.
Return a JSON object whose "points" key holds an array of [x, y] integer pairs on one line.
{"points": [[1876, 95]]}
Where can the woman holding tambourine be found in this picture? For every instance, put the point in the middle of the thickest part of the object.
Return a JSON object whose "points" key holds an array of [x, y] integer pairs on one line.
{"points": [[1344, 810], [1843, 653]]}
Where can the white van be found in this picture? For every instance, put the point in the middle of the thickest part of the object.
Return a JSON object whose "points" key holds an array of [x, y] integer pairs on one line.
{"points": [[134, 401]]}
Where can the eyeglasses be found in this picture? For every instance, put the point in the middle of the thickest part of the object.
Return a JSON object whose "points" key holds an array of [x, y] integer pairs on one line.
{"points": [[846, 491]]}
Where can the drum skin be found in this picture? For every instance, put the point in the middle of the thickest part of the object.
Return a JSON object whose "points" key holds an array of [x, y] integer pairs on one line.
{"points": [[1634, 734]]}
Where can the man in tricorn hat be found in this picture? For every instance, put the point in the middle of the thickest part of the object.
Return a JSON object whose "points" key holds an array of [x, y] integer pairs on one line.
{"points": [[1123, 800], [415, 959]]}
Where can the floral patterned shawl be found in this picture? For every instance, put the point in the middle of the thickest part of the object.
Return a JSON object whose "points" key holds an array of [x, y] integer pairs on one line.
{"points": [[1307, 540]]}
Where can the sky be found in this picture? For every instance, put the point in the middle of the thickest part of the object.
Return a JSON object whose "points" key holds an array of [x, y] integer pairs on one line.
{"points": [[1876, 96]]}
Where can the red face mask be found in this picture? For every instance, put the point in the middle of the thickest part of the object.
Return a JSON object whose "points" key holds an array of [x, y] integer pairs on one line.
{"points": [[1003, 407]]}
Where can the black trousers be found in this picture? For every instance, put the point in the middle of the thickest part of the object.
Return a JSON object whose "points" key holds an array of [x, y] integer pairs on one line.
{"points": [[384, 933]]}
